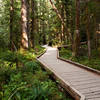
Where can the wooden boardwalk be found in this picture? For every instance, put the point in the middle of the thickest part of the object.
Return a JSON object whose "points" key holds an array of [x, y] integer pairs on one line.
{"points": [[77, 80]]}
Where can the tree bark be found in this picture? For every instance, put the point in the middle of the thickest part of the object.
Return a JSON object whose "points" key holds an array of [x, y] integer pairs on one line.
{"points": [[56, 10], [11, 24], [44, 35], [32, 24], [28, 20], [64, 27], [76, 42], [24, 25], [88, 33]]}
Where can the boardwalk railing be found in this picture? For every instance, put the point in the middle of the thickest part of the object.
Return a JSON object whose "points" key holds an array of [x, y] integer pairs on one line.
{"points": [[78, 64]]}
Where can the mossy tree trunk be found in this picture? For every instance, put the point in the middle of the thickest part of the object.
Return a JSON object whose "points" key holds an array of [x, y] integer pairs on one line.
{"points": [[32, 24], [76, 37], [11, 24], [87, 31]]}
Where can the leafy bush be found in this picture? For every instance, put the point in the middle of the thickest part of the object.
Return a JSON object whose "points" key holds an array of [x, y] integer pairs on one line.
{"points": [[28, 81], [65, 53], [3, 42], [5, 73], [8, 56], [37, 50], [31, 66], [94, 62], [41, 88], [40, 75]]}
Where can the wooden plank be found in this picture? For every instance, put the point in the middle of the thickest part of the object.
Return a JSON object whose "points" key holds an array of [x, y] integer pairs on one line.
{"points": [[78, 81], [76, 77], [93, 97], [92, 93], [96, 72], [85, 82], [87, 85], [83, 79], [90, 90], [74, 73], [65, 84]]}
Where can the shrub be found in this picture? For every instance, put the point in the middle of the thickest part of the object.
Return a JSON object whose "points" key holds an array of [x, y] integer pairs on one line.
{"points": [[31, 66], [8, 56]]}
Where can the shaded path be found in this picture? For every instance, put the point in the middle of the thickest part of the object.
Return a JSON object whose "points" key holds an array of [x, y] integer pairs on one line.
{"points": [[84, 82]]}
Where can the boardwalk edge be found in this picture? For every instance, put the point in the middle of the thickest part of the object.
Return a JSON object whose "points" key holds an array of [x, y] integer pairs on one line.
{"points": [[71, 90], [78, 64], [41, 54]]}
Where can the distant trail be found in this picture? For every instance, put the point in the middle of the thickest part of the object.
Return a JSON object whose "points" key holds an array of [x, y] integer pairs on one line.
{"points": [[78, 80]]}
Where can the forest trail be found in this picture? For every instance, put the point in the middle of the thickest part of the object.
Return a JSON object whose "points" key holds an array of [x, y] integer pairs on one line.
{"points": [[80, 81]]}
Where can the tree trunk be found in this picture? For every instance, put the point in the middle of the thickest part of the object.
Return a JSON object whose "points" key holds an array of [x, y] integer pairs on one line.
{"points": [[95, 34], [44, 35], [88, 33], [28, 18], [43, 28], [11, 24], [76, 42], [32, 24], [62, 25], [24, 24]]}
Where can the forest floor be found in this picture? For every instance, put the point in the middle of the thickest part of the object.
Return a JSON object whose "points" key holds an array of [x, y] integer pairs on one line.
{"points": [[94, 62], [21, 77]]}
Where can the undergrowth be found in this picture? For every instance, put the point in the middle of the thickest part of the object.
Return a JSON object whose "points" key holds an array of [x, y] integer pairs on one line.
{"points": [[94, 62], [21, 78]]}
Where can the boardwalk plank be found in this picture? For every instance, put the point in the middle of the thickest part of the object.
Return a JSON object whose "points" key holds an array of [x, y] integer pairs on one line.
{"points": [[84, 82], [90, 90], [92, 94], [87, 85]]}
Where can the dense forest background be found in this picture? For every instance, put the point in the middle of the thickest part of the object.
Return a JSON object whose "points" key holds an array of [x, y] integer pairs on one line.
{"points": [[25, 25], [37, 22]]}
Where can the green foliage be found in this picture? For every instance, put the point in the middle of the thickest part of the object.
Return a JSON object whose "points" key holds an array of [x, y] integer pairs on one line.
{"points": [[20, 83], [39, 88], [66, 53], [38, 50], [94, 62], [40, 75], [8, 56], [31, 66], [28, 81]]}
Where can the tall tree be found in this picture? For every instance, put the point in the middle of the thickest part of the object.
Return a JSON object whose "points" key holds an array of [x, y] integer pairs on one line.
{"points": [[62, 26], [87, 30], [24, 24], [28, 21], [76, 42], [11, 23], [32, 35], [61, 17]]}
